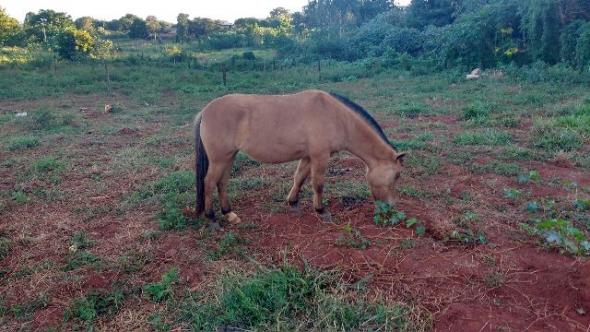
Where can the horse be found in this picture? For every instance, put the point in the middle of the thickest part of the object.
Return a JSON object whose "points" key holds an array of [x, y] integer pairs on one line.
{"points": [[308, 126]]}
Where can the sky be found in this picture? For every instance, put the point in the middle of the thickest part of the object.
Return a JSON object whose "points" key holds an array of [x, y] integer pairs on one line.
{"points": [[167, 10]]}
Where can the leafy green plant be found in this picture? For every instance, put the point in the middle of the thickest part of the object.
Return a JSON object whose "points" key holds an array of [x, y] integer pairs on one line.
{"points": [[468, 237], [420, 229], [79, 259], [387, 215], [512, 193], [47, 164], [562, 234], [27, 309], [533, 176], [352, 238], [162, 290], [582, 204]]}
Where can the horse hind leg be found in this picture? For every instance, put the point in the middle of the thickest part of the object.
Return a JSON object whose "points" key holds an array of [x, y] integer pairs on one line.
{"points": [[302, 172], [222, 186], [213, 177], [318, 170]]}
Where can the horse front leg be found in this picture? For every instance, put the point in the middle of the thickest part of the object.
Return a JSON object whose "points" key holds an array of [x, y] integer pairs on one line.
{"points": [[318, 171]]}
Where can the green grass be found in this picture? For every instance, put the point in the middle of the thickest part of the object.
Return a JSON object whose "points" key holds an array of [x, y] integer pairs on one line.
{"points": [[288, 299], [164, 289], [97, 303], [489, 137], [23, 143]]}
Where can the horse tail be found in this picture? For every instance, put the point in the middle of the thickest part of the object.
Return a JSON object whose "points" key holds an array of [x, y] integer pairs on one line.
{"points": [[201, 166]]}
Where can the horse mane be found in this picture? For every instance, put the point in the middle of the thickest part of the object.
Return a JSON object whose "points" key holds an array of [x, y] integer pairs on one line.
{"points": [[364, 114]]}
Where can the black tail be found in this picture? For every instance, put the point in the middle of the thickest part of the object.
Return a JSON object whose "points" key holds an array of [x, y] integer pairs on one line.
{"points": [[201, 166]]}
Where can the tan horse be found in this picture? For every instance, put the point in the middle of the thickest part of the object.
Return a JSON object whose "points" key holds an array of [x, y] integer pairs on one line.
{"points": [[308, 126]]}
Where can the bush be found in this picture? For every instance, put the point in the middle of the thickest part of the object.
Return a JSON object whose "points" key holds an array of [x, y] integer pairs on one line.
{"points": [[73, 43]]}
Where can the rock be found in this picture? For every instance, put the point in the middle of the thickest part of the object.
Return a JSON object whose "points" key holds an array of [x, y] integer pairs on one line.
{"points": [[475, 74], [21, 114], [108, 108]]}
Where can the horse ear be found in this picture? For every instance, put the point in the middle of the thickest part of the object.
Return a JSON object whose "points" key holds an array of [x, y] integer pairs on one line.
{"points": [[400, 157]]}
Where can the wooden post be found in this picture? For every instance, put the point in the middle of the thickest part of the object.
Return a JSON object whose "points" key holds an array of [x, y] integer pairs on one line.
{"points": [[108, 75], [224, 71], [319, 69]]}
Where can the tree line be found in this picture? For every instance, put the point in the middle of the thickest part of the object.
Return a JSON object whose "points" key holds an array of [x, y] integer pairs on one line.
{"points": [[467, 33]]}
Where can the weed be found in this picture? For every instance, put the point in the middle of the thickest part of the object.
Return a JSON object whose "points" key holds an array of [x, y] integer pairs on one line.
{"points": [[532, 207], [26, 310], [477, 112], [352, 238], [512, 193], [582, 204], [19, 197], [494, 279], [562, 234], [551, 138], [413, 222], [164, 289], [350, 192], [533, 176], [47, 165], [96, 303], [407, 244], [423, 165], [230, 244], [468, 237], [80, 241], [386, 215], [23, 143], [79, 259]]}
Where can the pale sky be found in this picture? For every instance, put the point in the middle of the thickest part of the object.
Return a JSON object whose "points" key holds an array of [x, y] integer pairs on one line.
{"points": [[165, 10]]}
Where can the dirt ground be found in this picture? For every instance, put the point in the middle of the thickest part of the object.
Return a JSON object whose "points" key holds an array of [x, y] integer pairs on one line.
{"points": [[509, 283]]}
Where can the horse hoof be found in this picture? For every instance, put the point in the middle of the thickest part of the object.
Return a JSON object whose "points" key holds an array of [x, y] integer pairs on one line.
{"points": [[326, 217], [232, 218], [214, 226]]}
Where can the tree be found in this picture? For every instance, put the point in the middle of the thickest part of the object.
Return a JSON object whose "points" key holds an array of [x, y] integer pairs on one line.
{"points": [[202, 27], [138, 29], [73, 43], [182, 27], [9, 28], [126, 22], [85, 23], [542, 22], [422, 13], [46, 24], [153, 26], [583, 47]]}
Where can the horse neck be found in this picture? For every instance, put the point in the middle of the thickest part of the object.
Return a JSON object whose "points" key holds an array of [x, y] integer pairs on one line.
{"points": [[365, 143]]}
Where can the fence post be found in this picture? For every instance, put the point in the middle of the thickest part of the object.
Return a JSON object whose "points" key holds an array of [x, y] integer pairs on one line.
{"points": [[319, 69], [224, 71]]}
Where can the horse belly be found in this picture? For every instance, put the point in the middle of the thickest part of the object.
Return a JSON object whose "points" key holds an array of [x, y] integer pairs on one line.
{"points": [[274, 148]]}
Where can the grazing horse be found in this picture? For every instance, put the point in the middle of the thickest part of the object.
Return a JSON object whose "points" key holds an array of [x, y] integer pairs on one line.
{"points": [[308, 126]]}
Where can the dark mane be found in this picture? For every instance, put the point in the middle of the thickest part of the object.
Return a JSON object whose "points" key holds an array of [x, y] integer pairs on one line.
{"points": [[358, 109]]}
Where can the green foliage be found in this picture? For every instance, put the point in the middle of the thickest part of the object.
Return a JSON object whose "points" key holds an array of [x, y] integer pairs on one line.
{"points": [[352, 238], [285, 298], [138, 29], [512, 193], [387, 215], [23, 143], [230, 244], [549, 137], [582, 204], [73, 43], [562, 234], [9, 29], [46, 165], [164, 289], [81, 241], [79, 259], [26, 310], [97, 303]]}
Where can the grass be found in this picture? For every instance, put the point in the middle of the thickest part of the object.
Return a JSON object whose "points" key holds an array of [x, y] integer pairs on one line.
{"points": [[23, 143], [489, 137], [160, 291], [285, 298], [94, 305]]}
